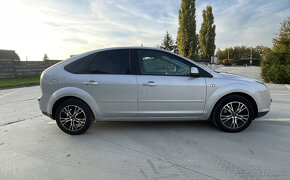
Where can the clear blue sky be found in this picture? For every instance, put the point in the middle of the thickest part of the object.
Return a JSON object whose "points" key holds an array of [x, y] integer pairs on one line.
{"points": [[64, 27]]}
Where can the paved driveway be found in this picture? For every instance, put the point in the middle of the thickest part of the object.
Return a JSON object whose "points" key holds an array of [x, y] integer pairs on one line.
{"points": [[33, 147], [250, 71]]}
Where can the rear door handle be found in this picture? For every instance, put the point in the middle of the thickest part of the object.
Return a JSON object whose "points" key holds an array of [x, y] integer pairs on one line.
{"points": [[150, 84], [91, 82]]}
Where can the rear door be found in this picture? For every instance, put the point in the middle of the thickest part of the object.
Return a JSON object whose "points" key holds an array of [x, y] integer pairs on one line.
{"points": [[111, 82]]}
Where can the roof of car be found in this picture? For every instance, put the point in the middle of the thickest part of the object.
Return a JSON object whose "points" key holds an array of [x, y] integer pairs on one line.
{"points": [[129, 47], [134, 47]]}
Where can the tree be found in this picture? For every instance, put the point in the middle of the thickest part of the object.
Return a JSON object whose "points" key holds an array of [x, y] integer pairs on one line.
{"points": [[167, 42], [186, 35], [276, 65], [197, 46], [175, 49], [45, 57], [207, 34]]}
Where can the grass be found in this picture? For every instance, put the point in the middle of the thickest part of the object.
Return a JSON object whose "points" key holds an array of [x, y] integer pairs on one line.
{"points": [[19, 81]]}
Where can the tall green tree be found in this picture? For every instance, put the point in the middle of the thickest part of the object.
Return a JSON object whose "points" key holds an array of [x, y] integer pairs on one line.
{"points": [[207, 34], [186, 35], [167, 42], [276, 65], [281, 44]]}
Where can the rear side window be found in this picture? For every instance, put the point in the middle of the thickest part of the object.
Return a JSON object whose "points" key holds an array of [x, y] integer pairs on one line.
{"points": [[111, 62], [107, 62], [80, 66]]}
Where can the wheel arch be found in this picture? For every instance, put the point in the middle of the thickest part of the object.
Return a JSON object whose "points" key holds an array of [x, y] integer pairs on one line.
{"points": [[71, 92], [62, 99], [245, 95]]}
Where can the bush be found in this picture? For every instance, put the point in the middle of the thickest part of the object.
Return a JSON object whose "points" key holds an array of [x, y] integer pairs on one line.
{"points": [[228, 62], [275, 71], [219, 62]]}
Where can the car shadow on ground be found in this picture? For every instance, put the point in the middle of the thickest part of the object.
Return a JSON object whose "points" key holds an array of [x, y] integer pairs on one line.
{"points": [[152, 126]]}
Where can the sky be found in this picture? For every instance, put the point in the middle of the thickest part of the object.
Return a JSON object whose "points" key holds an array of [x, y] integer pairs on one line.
{"points": [[61, 28]]}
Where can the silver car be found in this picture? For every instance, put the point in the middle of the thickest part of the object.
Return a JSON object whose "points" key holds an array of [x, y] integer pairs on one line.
{"points": [[147, 84]]}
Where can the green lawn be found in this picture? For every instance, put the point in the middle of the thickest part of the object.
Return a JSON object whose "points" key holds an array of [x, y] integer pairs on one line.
{"points": [[19, 81]]}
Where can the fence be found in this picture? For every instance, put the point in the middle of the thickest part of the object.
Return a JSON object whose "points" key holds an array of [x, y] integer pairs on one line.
{"points": [[12, 68]]}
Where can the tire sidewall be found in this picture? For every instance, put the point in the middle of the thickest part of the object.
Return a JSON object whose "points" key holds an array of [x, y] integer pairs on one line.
{"points": [[219, 106], [84, 107]]}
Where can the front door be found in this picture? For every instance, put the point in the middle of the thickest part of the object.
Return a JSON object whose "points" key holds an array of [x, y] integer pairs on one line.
{"points": [[165, 87]]}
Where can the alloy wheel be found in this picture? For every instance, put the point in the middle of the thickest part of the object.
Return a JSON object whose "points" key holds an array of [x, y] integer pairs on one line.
{"points": [[72, 117], [234, 115]]}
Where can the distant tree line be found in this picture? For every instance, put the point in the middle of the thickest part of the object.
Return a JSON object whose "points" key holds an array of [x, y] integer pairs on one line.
{"points": [[242, 52]]}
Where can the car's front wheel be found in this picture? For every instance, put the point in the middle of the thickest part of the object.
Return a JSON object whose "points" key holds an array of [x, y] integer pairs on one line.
{"points": [[233, 113], [74, 116]]}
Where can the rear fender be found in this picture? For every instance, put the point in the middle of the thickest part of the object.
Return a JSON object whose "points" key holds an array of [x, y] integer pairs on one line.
{"points": [[74, 92]]}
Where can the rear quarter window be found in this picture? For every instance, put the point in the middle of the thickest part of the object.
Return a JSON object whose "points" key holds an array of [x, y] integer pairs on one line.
{"points": [[80, 66]]}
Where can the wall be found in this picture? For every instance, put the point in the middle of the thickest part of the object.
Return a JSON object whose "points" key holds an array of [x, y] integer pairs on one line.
{"points": [[11, 68]]}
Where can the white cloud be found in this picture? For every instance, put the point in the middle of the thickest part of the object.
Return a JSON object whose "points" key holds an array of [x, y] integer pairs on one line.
{"points": [[250, 23], [62, 28]]}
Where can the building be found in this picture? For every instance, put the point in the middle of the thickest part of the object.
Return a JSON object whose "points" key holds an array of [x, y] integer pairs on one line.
{"points": [[8, 55]]}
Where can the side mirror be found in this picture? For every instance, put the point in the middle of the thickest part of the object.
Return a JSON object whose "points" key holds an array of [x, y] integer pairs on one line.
{"points": [[194, 72]]}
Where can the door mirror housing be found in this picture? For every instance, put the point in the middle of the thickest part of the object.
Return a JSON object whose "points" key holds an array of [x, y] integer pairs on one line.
{"points": [[194, 72]]}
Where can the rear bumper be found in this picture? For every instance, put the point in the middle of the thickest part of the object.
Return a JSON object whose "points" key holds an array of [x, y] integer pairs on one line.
{"points": [[43, 112]]}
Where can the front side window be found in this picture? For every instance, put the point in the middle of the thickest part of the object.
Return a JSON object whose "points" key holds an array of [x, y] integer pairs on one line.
{"points": [[160, 63], [111, 62]]}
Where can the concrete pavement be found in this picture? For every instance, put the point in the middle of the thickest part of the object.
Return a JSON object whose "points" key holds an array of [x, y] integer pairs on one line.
{"points": [[33, 147]]}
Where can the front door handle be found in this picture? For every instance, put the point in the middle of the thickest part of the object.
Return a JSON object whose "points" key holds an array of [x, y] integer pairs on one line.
{"points": [[150, 84], [91, 82]]}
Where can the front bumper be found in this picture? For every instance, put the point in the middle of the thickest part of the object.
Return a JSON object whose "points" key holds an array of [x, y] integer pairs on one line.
{"points": [[260, 114]]}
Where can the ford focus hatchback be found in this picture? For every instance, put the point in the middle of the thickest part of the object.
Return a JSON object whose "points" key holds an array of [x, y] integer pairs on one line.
{"points": [[147, 84]]}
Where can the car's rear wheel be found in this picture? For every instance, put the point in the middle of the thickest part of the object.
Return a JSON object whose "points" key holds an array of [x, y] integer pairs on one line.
{"points": [[73, 116], [233, 113]]}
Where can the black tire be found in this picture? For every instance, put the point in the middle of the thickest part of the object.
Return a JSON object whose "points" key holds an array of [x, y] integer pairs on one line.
{"points": [[233, 118], [77, 120]]}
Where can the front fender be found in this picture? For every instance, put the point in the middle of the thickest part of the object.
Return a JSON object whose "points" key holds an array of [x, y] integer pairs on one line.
{"points": [[214, 94], [75, 92]]}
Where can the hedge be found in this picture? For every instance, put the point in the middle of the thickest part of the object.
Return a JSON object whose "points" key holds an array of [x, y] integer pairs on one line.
{"points": [[255, 62]]}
